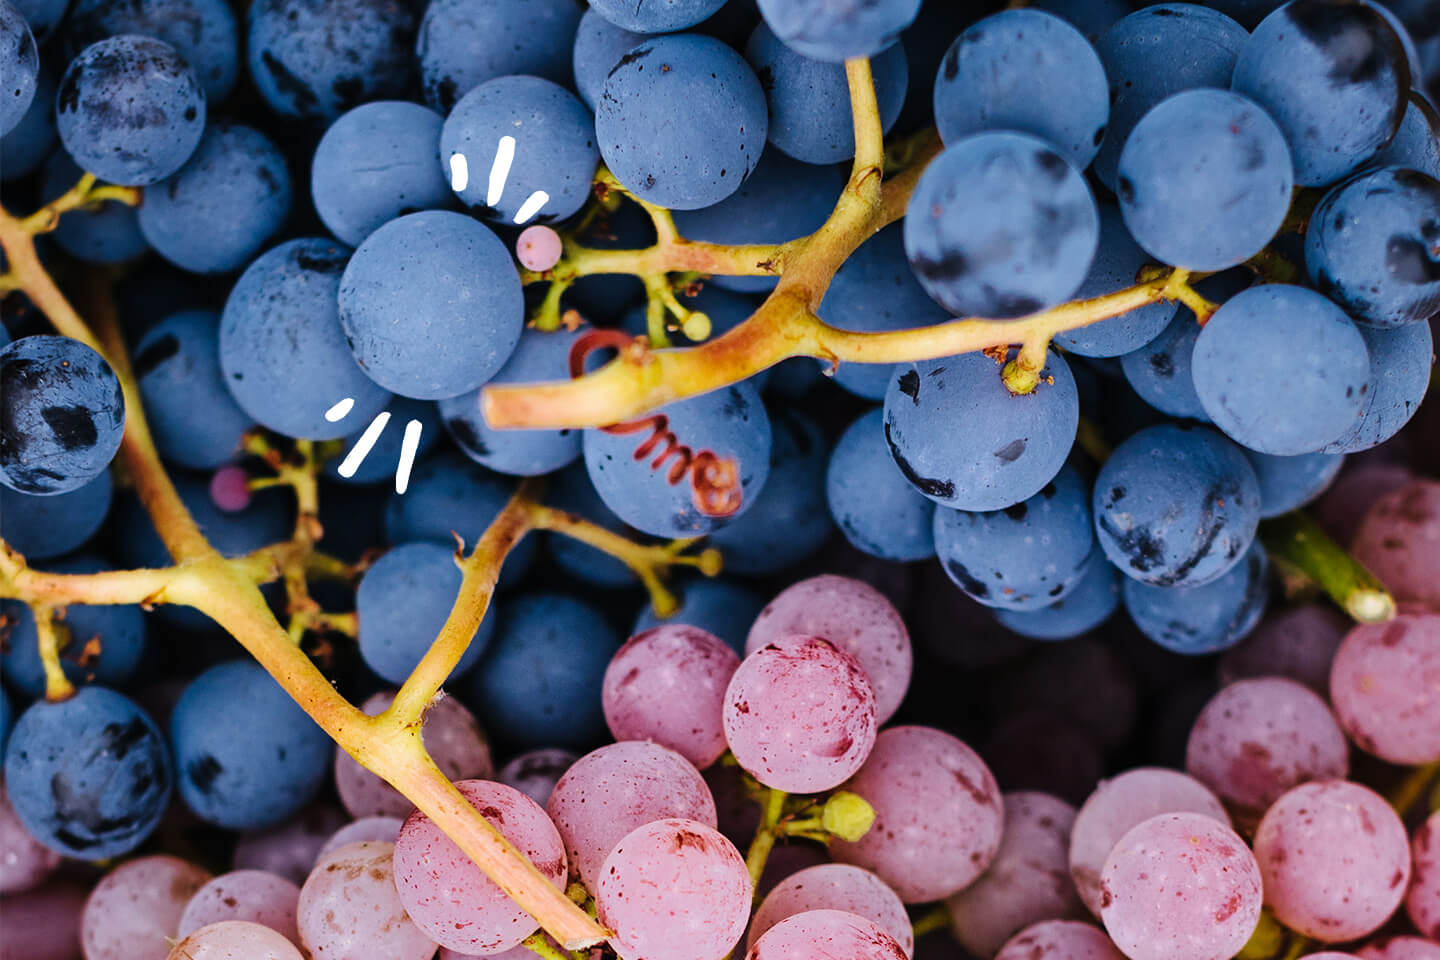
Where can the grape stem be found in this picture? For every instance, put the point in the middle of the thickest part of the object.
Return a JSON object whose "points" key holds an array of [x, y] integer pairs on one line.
{"points": [[764, 842], [52, 637], [1411, 788], [936, 918], [1297, 542]]}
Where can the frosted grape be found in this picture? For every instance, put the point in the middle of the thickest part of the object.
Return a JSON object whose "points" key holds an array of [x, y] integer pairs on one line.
{"points": [[1399, 541], [1059, 940], [1400, 948], [235, 940], [24, 861], [535, 772], [675, 889], [350, 910], [1297, 642], [1423, 900], [136, 906], [252, 896], [826, 933], [834, 886], [374, 829], [1385, 686], [800, 715], [291, 848], [538, 247], [667, 684]]}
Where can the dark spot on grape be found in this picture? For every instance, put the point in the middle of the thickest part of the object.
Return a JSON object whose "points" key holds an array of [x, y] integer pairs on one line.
{"points": [[1162, 364], [1011, 452], [910, 386], [634, 56], [466, 436], [931, 487], [967, 581], [1017, 511], [203, 771], [73, 426], [1052, 165], [1410, 261]]}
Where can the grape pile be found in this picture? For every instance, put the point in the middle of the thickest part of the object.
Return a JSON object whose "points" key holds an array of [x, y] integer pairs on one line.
{"points": [[661, 479]]}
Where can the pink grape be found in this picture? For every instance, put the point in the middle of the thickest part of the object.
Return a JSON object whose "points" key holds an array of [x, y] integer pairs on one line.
{"points": [[800, 715], [1028, 881], [1330, 955], [667, 684], [453, 739], [1121, 803], [612, 790], [835, 886], [378, 829], [291, 848], [536, 772], [1399, 541], [675, 889], [1180, 886], [235, 940], [826, 933], [538, 247], [1059, 940], [136, 906], [250, 895], [1423, 900], [42, 924], [855, 617], [1256, 739], [514, 953], [350, 910], [1335, 859], [230, 489], [24, 862], [938, 814], [1385, 685], [1400, 948], [448, 896], [1342, 508], [1296, 642]]}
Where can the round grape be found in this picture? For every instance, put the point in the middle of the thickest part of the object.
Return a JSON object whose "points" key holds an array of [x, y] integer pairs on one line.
{"points": [[350, 908], [1087, 605], [254, 896], [834, 886], [1423, 900], [291, 849], [1297, 642], [837, 30], [234, 939], [536, 772], [1385, 685], [22, 67], [1060, 940], [137, 906], [872, 503], [1400, 948], [1401, 359], [1207, 618], [827, 933], [1399, 541], [364, 830], [25, 862], [463, 43]]}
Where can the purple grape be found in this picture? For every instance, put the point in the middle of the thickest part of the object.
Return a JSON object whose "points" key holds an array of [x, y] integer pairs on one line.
{"points": [[350, 909], [250, 895], [535, 772], [25, 863], [291, 848], [826, 933], [1060, 940], [234, 939], [1423, 900], [1399, 541], [834, 886], [136, 906], [43, 924], [1297, 642], [1385, 686], [366, 829], [1343, 507]]}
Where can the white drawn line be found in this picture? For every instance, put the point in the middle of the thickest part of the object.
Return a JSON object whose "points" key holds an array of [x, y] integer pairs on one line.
{"points": [[340, 410], [459, 172], [408, 446], [362, 447], [531, 206], [500, 169]]}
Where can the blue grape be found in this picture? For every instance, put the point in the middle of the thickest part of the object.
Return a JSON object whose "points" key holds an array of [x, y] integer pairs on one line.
{"points": [[1289, 483], [431, 305], [1204, 619], [1176, 506], [43, 527], [1205, 180], [7, 717], [784, 526], [1118, 260], [1028, 71], [282, 348], [1400, 362], [61, 414], [105, 643], [1156, 52], [402, 602], [236, 177], [1090, 17], [108, 234], [541, 355], [1000, 225], [1245, 12], [42, 15], [1281, 370], [809, 99], [1417, 145], [1333, 77], [599, 45], [725, 608], [655, 16], [1373, 246], [268, 519], [89, 777], [203, 32], [246, 755], [681, 121], [570, 490], [875, 290], [965, 441], [1087, 605], [20, 63], [926, 41], [375, 163], [731, 422], [871, 501], [195, 420], [539, 683], [130, 110], [381, 462], [554, 146], [463, 43], [315, 59], [25, 147], [837, 30]]}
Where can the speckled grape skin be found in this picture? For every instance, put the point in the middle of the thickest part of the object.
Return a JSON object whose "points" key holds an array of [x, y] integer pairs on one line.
{"points": [[1060, 940], [1423, 900], [350, 908], [827, 933], [25, 863], [1385, 686], [1335, 858], [203, 32], [447, 895], [536, 772], [855, 617], [1399, 541], [611, 791], [1296, 642], [667, 684], [452, 737], [1121, 803], [674, 888], [1258, 738], [136, 906], [1401, 359], [1027, 883], [235, 940], [834, 886], [19, 87], [251, 895], [839, 29], [1400, 948], [1180, 886], [800, 714], [1417, 144], [1118, 260], [938, 814], [1091, 602], [1207, 618]]}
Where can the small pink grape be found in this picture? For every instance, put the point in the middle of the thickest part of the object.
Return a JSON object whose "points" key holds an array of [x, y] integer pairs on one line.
{"points": [[535, 772], [835, 886], [1060, 940], [1297, 642], [1399, 542], [1423, 900], [230, 489], [538, 248], [350, 910], [1342, 508], [826, 933], [376, 829], [1385, 685], [136, 906], [24, 862], [250, 895], [235, 940], [1400, 948]]}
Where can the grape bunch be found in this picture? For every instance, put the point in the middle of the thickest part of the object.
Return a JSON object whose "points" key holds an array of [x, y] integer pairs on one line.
{"points": [[660, 480]]}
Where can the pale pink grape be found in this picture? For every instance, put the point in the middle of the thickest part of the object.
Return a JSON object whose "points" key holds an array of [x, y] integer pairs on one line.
{"points": [[536, 772], [448, 896], [514, 953], [1060, 940], [230, 489], [250, 895], [24, 861], [855, 617], [938, 814], [350, 910], [136, 906], [1385, 686], [1121, 803], [800, 715], [826, 933], [611, 791], [1401, 948], [835, 886], [1399, 542], [674, 889], [1028, 881], [235, 940], [1335, 859], [291, 848], [1330, 955], [1423, 900], [377, 829], [1342, 508], [1180, 886], [538, 248], [1296, 642], [42, 924], [453, 739], [667, 684]]}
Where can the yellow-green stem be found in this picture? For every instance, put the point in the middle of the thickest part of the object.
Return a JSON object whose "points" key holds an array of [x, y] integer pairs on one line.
{"points": [[1298, 541]]}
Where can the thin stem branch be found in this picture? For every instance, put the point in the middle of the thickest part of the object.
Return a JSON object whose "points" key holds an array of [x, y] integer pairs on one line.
{"points": [[1296, 540], [936, 918], [764, 842], [48, 634]]}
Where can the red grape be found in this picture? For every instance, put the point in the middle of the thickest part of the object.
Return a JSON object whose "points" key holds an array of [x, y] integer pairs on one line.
{"points": [[42, 924], [24, 861], [1400, 948], [1060, 940], [535, 772], [1385, 685], [1423, 900], [377, 829], [826, 933], [1342, 508], [835, 886], [1297, 642], [1399, 541]]}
